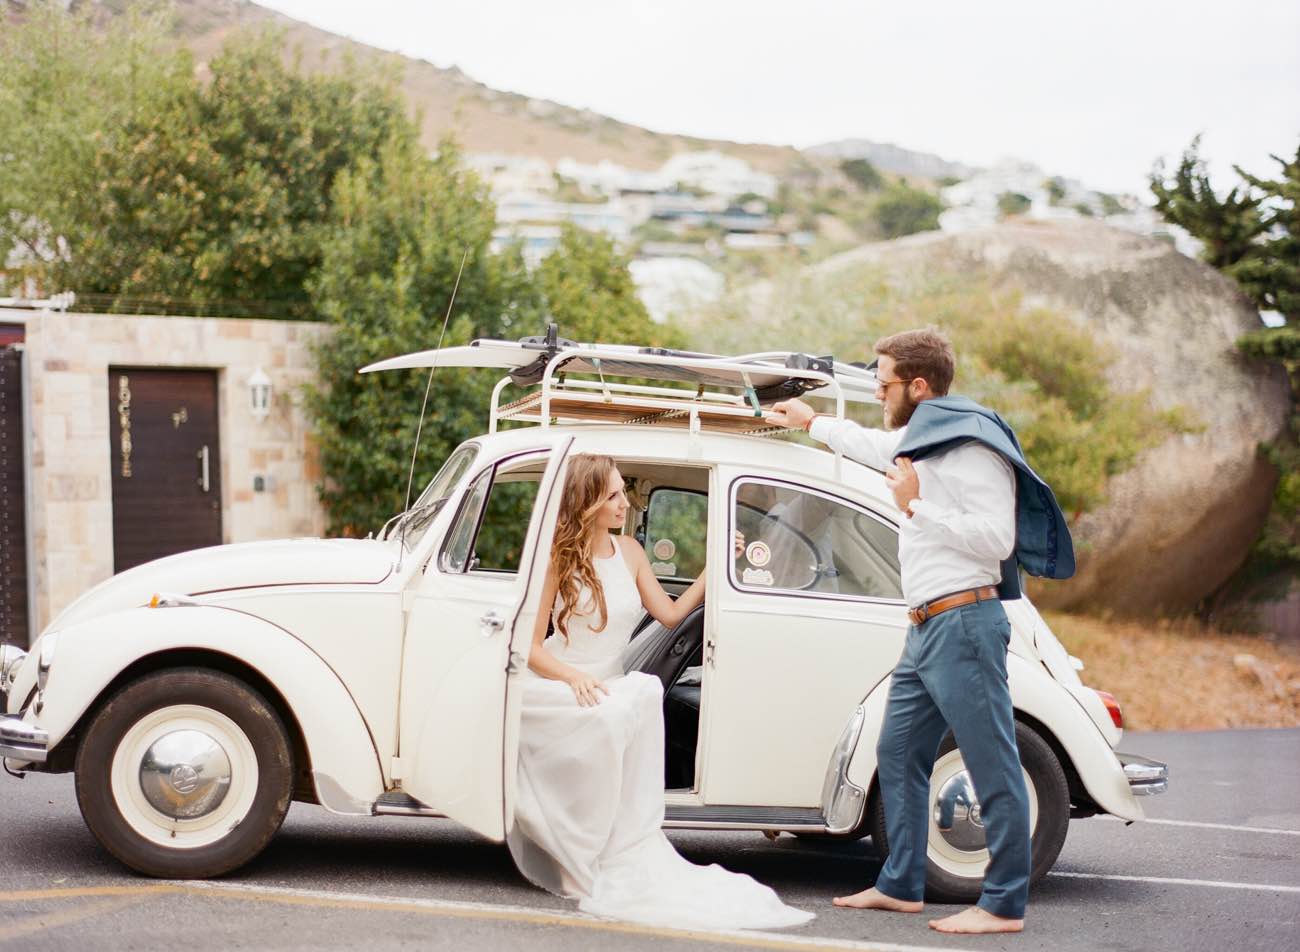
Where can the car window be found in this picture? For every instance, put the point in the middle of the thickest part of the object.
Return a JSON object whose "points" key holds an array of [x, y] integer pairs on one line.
{"points": [[455, 556], [412, 524], [492, 526], [799, 539], [676, 527], [501, 536]]}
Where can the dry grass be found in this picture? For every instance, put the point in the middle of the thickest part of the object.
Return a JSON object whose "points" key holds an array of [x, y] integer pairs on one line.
{"points": [[1182, 675]]}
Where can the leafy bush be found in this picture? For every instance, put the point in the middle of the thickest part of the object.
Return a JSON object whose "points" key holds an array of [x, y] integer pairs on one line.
{"points": [[903, 210], [1013, 203], [863, 173], [164, 192], [1279, 543]]}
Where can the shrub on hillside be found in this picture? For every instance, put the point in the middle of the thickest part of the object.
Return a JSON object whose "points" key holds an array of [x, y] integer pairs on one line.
{"points": [[903, 210]]}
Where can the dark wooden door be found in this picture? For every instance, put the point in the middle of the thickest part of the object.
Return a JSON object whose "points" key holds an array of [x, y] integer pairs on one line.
{"points": [[166, 463], [13, 495]]}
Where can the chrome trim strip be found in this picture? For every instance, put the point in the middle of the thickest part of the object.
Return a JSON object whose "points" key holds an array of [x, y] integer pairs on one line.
{"points": [[743, 825], [22, 741]]}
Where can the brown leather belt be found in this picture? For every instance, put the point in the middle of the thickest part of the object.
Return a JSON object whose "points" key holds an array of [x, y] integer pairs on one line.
{"points": [[955, 600]]}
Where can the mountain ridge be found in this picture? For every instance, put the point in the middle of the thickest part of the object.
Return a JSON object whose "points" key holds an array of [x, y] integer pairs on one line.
{"points": [[484, 119]]}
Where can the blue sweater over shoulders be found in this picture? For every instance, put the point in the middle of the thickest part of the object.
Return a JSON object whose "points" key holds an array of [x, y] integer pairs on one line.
{"points": [[1043, 545]]}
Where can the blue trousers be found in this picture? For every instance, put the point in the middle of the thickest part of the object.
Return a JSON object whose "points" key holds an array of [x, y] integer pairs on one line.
{"points": [[953, 673]]}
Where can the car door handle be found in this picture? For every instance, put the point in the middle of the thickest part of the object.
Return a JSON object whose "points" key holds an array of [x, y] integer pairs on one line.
{"points": [[491, 623]]}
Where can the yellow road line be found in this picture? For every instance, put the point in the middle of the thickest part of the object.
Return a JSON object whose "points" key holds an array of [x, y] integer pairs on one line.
{"points": [[460, 910], [43, 921]]}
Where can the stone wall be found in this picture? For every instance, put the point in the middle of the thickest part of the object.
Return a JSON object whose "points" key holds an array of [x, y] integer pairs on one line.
{"points": [[68, 356]]}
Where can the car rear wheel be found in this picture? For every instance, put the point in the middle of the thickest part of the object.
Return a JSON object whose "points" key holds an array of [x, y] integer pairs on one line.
{"points": [[185, 774], [958, 854]]}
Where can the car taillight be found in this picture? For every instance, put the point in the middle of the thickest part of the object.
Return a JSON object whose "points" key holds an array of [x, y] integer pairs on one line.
{"points": [[1112, 706]]}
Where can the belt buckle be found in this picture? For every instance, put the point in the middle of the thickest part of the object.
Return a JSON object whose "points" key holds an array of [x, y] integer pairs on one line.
{"points": [[918, 615]]}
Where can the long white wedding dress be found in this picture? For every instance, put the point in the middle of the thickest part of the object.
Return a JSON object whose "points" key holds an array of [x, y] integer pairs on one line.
{"points": [[590, 805]]}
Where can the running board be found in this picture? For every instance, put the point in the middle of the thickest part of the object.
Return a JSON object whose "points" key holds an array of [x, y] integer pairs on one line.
{"points": [[676, 816], [791, 819]]}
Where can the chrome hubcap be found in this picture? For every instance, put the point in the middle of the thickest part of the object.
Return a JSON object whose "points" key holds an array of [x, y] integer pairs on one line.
{"points": [[957, 814], [185, 775]]}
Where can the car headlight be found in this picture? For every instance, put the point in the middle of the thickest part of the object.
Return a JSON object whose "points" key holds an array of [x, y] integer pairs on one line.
{"points": [[11, 659]]}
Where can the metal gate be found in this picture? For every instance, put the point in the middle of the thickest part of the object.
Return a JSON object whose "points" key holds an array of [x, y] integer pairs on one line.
{"points": [[13, 498]]}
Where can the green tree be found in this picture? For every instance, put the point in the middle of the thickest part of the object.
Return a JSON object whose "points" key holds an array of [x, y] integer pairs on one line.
{"points": [[903, 210], [588, 291], [1252, 234], [1270, 270], [1279, 543], [400, 227], [161, 192], [1227, 226], [68, 92], [865, 175]]}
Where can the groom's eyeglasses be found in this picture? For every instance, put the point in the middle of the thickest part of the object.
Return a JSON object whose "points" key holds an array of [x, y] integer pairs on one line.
{"points": [[886, 384], [883, 384]]}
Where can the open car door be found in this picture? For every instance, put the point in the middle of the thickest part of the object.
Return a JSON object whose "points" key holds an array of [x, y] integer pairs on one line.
{"points": [[468, 632]]}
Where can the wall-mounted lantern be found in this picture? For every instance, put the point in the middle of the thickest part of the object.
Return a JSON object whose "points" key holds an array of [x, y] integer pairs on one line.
{"points": [[259, 394]]}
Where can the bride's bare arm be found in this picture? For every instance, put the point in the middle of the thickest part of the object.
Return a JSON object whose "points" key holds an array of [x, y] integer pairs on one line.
{"points": [[657, 602], [544, 664]]}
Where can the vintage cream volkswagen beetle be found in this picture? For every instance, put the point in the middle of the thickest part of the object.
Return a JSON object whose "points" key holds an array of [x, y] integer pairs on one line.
{"points": [[196, 696]]}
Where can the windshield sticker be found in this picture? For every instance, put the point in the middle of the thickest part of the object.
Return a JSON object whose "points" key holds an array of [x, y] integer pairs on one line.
{"points": [[664, 568], [664, 549], [757, 577], [758, 554]]}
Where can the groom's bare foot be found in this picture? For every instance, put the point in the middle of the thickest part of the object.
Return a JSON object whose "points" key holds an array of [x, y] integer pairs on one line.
{"points": [[873, 898], [976, 921]]}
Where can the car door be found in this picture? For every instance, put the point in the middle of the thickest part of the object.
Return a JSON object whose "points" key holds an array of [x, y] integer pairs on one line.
{"points": [[802, 626], [469, 625]]}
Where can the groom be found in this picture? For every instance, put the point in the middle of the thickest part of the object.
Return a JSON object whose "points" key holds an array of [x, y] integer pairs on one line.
{"points": [[973, 513]]}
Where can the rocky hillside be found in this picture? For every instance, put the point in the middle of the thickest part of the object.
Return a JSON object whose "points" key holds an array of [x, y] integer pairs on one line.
{"points": [[489, 120], [483, 119], [1179, 522]]}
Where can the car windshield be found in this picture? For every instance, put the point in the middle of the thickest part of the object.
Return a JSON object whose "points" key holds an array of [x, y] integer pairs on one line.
{"points": [[411, 525]]}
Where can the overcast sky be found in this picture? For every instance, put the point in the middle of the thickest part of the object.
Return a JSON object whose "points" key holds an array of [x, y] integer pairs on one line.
{"points": [[1096, 91]]}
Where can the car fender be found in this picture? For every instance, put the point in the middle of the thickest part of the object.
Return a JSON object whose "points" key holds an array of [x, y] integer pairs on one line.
{"points": [[1038, 695], [89, 655]]}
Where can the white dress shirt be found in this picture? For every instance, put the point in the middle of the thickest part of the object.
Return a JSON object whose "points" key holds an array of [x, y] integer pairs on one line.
{"points": [[964, 523]]}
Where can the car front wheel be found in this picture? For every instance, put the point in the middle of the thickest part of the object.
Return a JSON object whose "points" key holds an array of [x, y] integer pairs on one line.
{"points": [[957, 851], [185, 774]]}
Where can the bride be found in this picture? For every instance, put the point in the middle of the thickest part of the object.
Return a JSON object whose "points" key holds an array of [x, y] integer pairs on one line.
{"points": [[590, 805]]}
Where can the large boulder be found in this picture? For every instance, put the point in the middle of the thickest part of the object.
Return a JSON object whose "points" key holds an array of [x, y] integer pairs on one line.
{"points": [[1177, 524]]}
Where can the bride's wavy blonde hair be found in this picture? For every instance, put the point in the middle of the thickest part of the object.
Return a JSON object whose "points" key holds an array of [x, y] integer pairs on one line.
{"points": [[585, 488]]}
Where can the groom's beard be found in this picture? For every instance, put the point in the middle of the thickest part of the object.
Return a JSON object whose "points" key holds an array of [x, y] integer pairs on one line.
{"points": [[898, 416]]}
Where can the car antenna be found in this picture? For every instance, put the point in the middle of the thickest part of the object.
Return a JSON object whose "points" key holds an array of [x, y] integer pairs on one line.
{"points": [[410, 479]]}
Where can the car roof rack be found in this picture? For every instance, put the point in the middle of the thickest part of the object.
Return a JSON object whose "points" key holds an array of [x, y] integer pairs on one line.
{"points": [[712, 392]]}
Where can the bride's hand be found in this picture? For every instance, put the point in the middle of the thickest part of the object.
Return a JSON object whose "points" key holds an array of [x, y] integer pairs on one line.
{"points": [[585, 688]]}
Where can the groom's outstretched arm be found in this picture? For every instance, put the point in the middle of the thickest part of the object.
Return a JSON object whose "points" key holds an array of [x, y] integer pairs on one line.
{"points": [[873, 447]]}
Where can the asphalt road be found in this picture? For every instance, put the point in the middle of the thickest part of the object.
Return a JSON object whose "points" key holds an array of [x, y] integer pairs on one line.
{"points": [[1215, 869]]}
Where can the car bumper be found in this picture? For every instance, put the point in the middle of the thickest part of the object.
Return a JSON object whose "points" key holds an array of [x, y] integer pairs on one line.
{"points": [[22, 741], [1145, 777]]}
